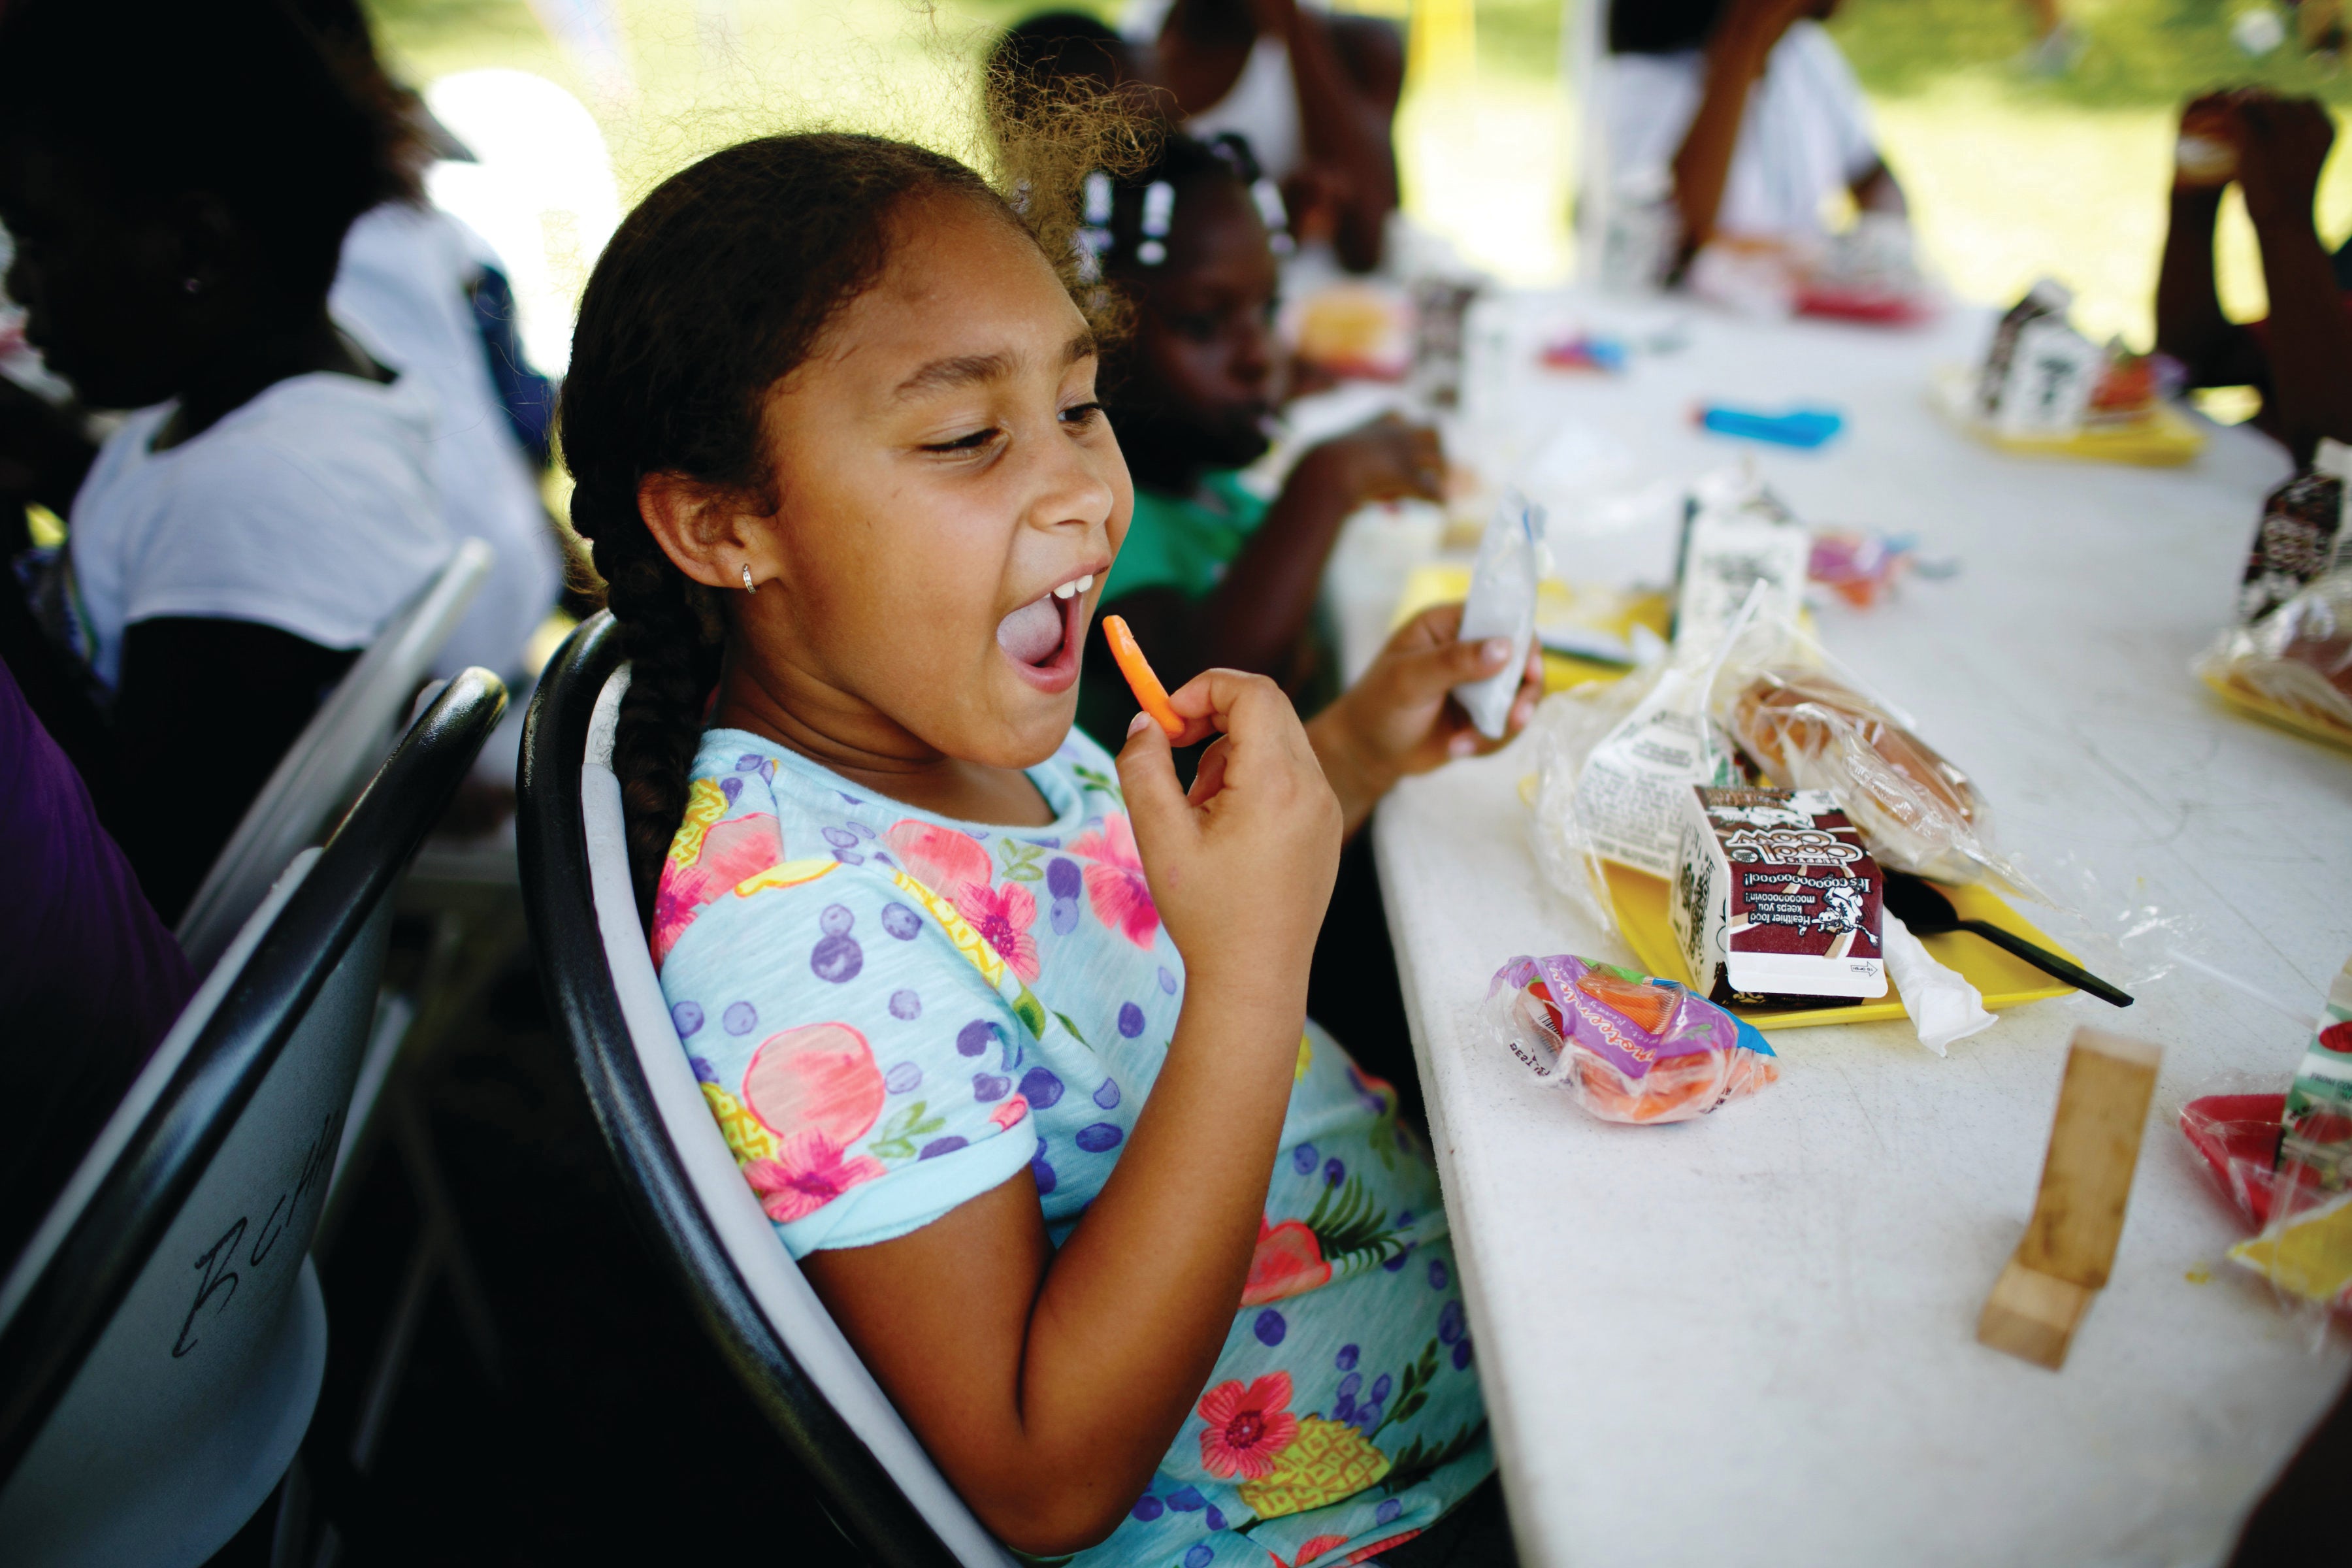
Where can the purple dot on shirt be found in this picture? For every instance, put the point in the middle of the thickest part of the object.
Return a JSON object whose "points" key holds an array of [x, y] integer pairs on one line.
{"points": [[1167, 980], [1107, 1095], [1404, 1219], [849, 856], [1462, 1356], [1449, 1323], [841, 838], [989, 1087], [1200, 1556], [1214, 1517], [835, 920], [975, 1037], [860, 829], [905, 1004], [1147, 1508], [1269, 1327], [1062, 878], [703, 1071], [1437, 1275], [1368, 1416], [939, 1146], [1064, 916], [740, 1019], [685, 1018], [1186, 1499], [731, 786], [1098, 1138], [1335, 1171], [1344, 1407], [903, 1079], [1130, 1019], [1396, 1265], [1382, 1387], [748, 763], [901, 921], [1303, 1159], [1041, 1089], [1388, 1511], [837, 959], [1043, 1171], [1350, 1386], [1347, 1358]]}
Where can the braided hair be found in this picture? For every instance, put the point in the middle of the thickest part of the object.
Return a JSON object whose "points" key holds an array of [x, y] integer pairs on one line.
{"points": [[713, 289], [1125, 218]]}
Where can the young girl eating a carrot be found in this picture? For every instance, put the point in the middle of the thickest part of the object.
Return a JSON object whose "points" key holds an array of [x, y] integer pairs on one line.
{"points": [[1008, 1036]]}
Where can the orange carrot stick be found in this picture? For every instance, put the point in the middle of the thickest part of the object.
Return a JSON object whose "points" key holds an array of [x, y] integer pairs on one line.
{"points": [[1149, 694]]}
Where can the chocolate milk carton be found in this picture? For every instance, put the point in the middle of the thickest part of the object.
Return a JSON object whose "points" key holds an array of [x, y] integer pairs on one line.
{"points": [[1776, 901]]}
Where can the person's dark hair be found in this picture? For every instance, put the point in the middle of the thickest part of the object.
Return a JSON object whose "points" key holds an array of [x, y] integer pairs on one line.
{"points": [[1660, 26], [711, 291], [1126, 217], [1038, 53], [235, 98]]}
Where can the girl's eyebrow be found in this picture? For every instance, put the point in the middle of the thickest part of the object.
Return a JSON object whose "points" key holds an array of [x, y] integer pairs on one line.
{"points": [[964, 370]]}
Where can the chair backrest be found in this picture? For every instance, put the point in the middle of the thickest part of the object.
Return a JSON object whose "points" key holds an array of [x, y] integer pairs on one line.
{"points": [[681, 1182], [329, 761], [162, 1336]]}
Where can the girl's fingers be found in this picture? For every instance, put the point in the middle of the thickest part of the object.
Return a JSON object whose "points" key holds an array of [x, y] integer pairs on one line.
{"points": [[1147, 777], [1211, 776]]}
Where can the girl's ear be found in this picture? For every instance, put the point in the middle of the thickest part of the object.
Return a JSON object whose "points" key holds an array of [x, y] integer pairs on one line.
{"points": [[703, 529]]}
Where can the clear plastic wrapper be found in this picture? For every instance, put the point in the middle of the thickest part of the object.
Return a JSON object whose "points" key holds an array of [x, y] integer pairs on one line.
{"points": [[2294, 664], [1625, 1047], [1502, 603], [1943, 1006]]}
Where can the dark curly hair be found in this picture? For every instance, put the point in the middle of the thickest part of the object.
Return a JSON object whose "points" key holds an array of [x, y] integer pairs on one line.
{"points": [[711, 291]]}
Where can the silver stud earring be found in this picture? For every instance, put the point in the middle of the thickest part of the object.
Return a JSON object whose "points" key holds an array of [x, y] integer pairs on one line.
{"points": [[749, 586]]}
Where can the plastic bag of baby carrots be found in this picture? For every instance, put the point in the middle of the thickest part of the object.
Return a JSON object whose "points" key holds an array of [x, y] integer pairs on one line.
{"points": [[1628, 1047]]}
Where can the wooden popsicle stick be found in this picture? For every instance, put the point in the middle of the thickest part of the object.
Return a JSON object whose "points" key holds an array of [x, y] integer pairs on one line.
{"points": [[2078, 1217]]}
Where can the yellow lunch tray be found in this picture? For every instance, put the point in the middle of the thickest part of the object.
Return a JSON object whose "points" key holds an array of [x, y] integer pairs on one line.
{"points": [[2004, 979], [2164, 439], [2261, 706], [1601, 609]]}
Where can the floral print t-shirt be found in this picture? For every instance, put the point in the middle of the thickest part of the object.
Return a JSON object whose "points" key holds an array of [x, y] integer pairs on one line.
{"points": [[892, 1012]]}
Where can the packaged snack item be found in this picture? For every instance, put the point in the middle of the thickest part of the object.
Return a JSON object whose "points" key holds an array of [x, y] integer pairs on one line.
{"points": [[2046, 391], [2307, 1254], [2048, 297], [2295, 665], [2317, 1122], [1357, 330], [1502, 603], [1629, 796], [1736, 535], [1806, 730], [1861, 568], [1776, 901], [2303, 527], [1627, 1046]]}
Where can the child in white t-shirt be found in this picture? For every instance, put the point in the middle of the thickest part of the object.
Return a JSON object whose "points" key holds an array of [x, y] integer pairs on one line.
{"points": [[239, 541]]}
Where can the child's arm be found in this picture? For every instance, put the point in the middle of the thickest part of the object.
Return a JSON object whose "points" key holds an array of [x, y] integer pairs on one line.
{"points": [[1254, 618], [1737, 53], [1048, 1385]]}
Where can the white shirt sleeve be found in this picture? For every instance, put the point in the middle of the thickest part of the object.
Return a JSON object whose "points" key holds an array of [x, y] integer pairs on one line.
{"points": [[1835, 93]]}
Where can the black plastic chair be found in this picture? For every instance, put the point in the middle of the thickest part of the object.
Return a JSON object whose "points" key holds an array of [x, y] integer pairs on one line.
{"points": [[874, 1479], [163, 1336]]}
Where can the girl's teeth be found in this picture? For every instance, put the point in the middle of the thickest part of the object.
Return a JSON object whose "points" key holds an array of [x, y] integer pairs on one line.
{"points": [[1072, 589]]}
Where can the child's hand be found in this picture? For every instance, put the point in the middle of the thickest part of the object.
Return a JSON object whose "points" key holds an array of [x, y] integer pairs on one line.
{"points": [[2209, 144], [1241, 867], [2284, 144], [1398, 719], [1382, 460]]}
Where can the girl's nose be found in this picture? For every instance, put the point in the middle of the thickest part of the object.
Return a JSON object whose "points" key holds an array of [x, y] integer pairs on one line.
{"points": [[1253, 357]]}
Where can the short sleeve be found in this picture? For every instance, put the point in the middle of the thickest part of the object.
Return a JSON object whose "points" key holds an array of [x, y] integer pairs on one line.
{"points": [[324, 546], [1648, 101], [862, 1049]]}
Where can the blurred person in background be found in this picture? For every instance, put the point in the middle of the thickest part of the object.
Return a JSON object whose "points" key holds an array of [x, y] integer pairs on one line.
{"points": [[237, 540], [1063, 56], [1314, 94], [1211, 574], [1743, 113], [89, 980], [2300, 357]]}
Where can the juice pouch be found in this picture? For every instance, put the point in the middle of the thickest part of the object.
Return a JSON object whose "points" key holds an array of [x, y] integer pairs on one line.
{"points": [[1628, 1047], [2318, 1120]]}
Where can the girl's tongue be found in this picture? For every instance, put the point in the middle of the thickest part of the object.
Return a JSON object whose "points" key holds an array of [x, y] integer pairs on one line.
{"points": [[1031, 634]]}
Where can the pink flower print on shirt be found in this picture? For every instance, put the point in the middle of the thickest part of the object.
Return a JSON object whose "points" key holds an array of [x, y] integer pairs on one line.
{"points": [[1009, 1114], [1246, 1426], [730, 853], [1317, 1546], [942, 859], [1114, 881], [1288, 1262], [818, 1077], [807, 1174], [1002, 917]]}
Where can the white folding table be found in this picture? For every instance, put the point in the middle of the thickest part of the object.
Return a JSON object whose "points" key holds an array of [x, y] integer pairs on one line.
{"points": [[1750, 1340]]}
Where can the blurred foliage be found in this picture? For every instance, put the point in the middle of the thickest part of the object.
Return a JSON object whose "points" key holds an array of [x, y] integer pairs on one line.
{"points": [[423, 24], [2137, 53]]}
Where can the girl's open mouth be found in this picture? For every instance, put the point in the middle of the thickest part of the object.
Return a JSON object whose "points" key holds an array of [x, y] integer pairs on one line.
{"points": [[1043, 637]]}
